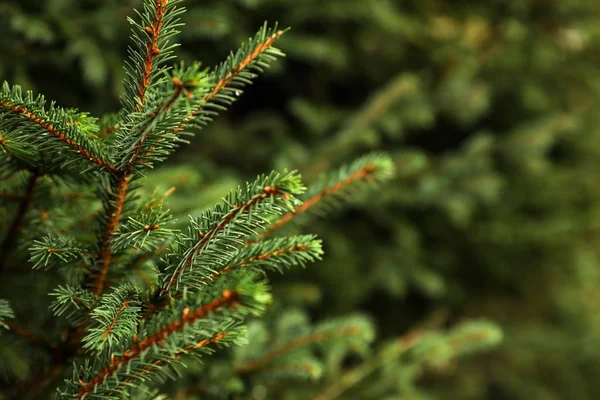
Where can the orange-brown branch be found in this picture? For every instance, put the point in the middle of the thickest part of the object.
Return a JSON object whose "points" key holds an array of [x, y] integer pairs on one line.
{"points": [[106, 131], [109, 329], [152, 49], [228, 299], [152, 308], [208, 236], [17, 223], [260, 257], [179, 88], [294, 344], [365, 173], [11, 196], [112, 226], [19, 330], [227, 79], [56, 133]]}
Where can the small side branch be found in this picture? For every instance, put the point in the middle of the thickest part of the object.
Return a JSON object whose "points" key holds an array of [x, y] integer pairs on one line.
{"points": [[112, 226], [235, 72], [15, 228], [292, 345], [365, 173], [356, 375], [16, 109], [152, 49], [152, 308], [207, 237]]}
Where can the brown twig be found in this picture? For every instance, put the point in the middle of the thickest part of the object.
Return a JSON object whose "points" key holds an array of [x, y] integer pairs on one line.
{"points": [[152, 308], [15, 228], [105, 255], [32, 337], [106, 131], [152, 49], [354, 376], [294, 344], [362, 174]]}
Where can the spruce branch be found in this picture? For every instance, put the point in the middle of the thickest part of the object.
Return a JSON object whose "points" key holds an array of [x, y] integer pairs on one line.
{"points": [[217, 234], [15, 228], [145, 231], [158, 347], [235, 72], [273, 254], [105, 253], [151, 49], [145, 137], [57, 252], [6, 312], [146, 73], [113, 320], [369, 169], [425, 347], [72, 303], [38, 126], [350, 328], [16, 150], [276, 254]]}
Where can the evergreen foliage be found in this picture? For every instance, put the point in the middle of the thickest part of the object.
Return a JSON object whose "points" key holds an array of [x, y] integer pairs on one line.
{"points": [[137, 292]]}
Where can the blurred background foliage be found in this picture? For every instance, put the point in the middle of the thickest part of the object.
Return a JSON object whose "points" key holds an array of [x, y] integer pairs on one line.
{"points": [[491, 112]]}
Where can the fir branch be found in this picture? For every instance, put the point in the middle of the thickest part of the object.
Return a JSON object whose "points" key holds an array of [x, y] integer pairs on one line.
{"points": [[5, 313], [218, 232], [55, 252], [235, 72], [30, 336], [275, 253], [152, 49], [73, 303], [331, 332], [105, 253], [227, 299], [113, 320], [373, 168], [354, 376], [15, 227], [56, 121], [146, 231]]}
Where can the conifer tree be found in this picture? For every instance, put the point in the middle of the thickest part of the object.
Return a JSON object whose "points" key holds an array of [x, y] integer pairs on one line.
{"points": [[107, 290]]}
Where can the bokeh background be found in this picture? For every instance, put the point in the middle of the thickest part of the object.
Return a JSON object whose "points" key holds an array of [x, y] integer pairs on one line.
{"points": [[491, 112]]}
